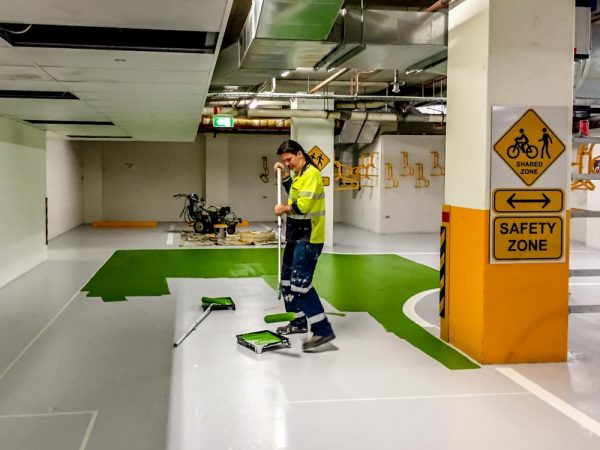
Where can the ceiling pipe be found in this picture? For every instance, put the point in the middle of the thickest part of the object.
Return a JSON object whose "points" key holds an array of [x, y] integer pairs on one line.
{"points": [[438, 5], [317, 114], [351, 115], [324, 83], [217, 96]]}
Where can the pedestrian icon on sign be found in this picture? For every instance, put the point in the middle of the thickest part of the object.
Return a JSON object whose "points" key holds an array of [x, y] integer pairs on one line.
{"points": [[545, 140], [318, 160]]}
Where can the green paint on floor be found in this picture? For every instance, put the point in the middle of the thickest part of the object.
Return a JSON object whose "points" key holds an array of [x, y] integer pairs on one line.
{"points": [[376, 284]]}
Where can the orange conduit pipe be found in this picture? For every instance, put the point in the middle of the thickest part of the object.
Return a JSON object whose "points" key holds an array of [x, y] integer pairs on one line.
{"points": [[438, 5]]}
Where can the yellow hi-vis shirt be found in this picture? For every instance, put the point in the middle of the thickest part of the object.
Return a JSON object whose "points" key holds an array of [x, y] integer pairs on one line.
{"points": [[306, 221]]}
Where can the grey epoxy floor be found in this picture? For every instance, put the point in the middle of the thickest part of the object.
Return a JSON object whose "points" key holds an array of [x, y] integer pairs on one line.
{"points": [[77, 373]]}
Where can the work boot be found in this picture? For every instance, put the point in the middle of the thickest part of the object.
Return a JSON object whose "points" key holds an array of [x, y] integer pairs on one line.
{"points": [[316, 341], [293, 327]]}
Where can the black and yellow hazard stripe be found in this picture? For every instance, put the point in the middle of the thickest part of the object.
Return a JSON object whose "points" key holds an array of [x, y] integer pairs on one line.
{"points": [[443, 233], [46, 208]]}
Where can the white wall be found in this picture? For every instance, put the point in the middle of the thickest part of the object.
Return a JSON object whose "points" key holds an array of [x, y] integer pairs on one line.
{"points": [[408, 209], [362, 208], [22, 199], [249, 197], [64, 186], [92, 184], [217, 169], [404, 209], [136, 180]]}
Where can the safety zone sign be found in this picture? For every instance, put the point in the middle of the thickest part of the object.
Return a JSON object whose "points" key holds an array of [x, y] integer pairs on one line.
{"points": [[529, 147], [537, 237], [319, 158]]}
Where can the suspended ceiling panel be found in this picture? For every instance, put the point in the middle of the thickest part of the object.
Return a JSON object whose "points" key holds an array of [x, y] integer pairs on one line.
{"points": [[37, 109], [23, 73], [117, 59], [114, 85], [205, 15], [66, 74], [86, 130]]}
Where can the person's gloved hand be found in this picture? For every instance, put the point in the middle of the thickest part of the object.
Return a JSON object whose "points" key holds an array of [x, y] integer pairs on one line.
{"points": [[280, 165]]}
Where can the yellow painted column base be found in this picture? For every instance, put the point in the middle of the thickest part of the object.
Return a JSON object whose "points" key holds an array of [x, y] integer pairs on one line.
{"points": [[501, 313]]}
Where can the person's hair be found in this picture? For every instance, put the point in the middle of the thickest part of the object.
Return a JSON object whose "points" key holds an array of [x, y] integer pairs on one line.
{"points": [[291, 146]]}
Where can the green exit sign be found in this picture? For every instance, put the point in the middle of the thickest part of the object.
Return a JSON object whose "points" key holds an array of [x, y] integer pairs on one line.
{"points": [[223, 121]]}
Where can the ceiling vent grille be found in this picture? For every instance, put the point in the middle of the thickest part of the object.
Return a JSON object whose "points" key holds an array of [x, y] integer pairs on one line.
{"points": [[51, 95], [68, 122], [104, 38], [83, 136]]}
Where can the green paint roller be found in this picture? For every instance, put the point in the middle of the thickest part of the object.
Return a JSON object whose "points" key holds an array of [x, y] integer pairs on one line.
{"points": [[289, 316], [208, 304]]}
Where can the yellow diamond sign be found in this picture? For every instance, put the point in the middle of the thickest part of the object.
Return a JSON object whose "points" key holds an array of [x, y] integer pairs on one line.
{"points": [[319, 158], [529, 147]]}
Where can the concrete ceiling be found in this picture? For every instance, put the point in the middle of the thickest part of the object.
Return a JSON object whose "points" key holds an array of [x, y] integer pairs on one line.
{"points": [[148, 95]]}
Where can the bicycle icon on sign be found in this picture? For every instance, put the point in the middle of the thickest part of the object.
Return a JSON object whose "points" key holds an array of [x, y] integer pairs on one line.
{"points": [[522, 145]]}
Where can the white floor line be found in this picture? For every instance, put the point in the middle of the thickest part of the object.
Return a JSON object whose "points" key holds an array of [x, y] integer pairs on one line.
{"points": [[337, 252], [88, 431], [408, 397], [409, 309], [37, 336], [171, 235], [560, 405], [48, 414], [584, 284], [418, 253]]}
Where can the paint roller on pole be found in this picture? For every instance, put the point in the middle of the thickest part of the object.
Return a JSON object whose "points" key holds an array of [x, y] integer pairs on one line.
{"points": [[279, 235], [208, 304], [289, 316]]}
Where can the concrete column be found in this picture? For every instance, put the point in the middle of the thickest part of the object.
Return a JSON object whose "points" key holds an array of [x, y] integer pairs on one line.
{"points": [[519, 55], [319, 132], [217, 170]]}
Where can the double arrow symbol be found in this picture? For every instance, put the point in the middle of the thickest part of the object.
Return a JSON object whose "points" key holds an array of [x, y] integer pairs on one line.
{"points": [[511, 200]]}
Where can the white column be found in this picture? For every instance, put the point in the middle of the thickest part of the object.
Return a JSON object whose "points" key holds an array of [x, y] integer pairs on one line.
{"points": [[217, 170], [319, 132]]}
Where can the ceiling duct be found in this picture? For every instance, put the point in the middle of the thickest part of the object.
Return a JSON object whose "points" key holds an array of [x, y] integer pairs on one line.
{"points": [[392, 39], [590, 75], [279, 34], [358, 132]]}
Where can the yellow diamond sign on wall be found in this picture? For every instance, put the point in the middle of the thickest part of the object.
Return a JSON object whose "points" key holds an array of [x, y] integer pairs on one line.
{"points": [[529, 147], [319, 158]]}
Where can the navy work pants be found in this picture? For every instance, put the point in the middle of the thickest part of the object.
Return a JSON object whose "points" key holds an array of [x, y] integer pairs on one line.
{"points": [[297, 270]]}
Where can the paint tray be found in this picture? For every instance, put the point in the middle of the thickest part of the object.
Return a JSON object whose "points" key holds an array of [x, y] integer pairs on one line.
{"points": [[218, 303], [258, 341]]}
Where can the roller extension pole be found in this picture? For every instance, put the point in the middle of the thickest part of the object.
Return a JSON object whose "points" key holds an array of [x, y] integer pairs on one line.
{"points": [[279, 235], [193, 327], [289, 316]]}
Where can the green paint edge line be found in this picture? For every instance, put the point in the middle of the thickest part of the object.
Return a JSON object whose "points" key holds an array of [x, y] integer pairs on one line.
{"points": [[239, 263]]}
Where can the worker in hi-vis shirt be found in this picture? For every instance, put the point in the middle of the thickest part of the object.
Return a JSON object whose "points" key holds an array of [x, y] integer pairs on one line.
{"points": [[305, 235]]}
